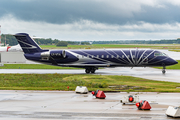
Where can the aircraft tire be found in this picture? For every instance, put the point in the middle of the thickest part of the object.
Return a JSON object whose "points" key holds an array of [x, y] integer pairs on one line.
{"points": [[87, 71], [93, 70], [163, 71]]}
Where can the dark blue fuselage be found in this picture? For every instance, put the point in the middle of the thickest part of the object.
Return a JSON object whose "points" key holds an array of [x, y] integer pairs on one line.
{"points": [[103, 58]]}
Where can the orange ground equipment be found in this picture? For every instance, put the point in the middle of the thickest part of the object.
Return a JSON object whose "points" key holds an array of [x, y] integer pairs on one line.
{"points": [[99, 94], [143, 105]]}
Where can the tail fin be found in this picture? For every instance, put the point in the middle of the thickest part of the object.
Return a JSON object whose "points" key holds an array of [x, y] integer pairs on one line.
{"points": [[27, 43]]}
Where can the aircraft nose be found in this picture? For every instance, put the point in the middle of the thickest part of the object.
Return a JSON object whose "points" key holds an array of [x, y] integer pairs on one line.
{"points": [[170, 61], [173, 62]]}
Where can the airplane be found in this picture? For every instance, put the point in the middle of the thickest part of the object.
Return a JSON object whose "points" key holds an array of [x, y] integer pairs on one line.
{"points": [[15, 48], [91, 60], [4, 48]]}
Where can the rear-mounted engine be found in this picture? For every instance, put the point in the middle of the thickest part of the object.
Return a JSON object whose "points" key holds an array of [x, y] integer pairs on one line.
{"points": [[45, 55], [58, 54]]}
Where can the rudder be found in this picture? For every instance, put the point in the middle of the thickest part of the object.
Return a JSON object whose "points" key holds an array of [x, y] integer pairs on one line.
{"points": [[27, 43]]}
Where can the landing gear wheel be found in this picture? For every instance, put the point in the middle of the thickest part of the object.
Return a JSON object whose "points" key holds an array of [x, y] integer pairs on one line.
{"points": [[87, 71], [93, 70], [163, 71]]}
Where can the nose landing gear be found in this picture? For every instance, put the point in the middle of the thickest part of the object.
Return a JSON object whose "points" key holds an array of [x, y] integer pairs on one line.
{"points": [[164, 70]]}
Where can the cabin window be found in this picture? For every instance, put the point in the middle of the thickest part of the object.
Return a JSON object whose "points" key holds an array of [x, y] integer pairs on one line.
{"points": [[112, 56], [97, 56], [92, 56], [117, 56], [122, 56], [107, 56], [102, 56]]}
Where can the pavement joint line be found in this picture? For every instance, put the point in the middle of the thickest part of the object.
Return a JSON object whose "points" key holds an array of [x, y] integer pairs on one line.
{"points": [[110, 107]]}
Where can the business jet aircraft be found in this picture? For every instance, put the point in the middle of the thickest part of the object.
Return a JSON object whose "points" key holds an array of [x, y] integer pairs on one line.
{"points": [[91, 60]]}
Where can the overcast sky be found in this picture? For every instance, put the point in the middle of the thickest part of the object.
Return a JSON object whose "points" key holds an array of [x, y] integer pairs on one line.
{"points": [[92, 19]]}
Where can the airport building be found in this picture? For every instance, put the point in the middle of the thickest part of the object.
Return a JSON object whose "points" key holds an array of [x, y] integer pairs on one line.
{"points": [[12, 57]]}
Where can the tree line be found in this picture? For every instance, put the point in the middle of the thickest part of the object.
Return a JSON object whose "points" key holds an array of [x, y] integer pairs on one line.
{"points": [[172, 41], [11, 40]]}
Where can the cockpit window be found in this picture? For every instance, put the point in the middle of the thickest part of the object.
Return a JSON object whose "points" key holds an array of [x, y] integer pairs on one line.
{"points": [[164, 54], [160, 54]]}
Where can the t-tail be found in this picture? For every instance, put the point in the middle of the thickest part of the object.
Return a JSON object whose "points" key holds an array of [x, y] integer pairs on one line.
{"points": [[27, 43]]}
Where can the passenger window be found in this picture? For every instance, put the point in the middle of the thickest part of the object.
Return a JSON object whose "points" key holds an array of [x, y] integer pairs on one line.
{"points": [[112, 56], [102, 56], [97, 56], [107, 56], [117, 56], [122, 56]]}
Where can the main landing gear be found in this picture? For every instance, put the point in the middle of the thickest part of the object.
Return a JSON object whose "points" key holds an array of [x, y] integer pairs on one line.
{"points": [[90, 70], [164, 70]]}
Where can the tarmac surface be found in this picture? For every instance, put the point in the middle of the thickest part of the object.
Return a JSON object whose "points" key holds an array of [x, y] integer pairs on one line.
{"points": [[40, 105]]}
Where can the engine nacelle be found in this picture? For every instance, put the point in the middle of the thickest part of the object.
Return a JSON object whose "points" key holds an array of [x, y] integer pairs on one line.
{"points": [[58, 54], [45, 55]]}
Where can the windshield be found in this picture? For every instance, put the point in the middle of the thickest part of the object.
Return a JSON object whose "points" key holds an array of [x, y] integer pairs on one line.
{"points": [[159, 54]]}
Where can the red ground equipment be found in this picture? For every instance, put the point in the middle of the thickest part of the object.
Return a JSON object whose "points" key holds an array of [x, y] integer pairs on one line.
{"points": [[143, 105], [99, 94]]}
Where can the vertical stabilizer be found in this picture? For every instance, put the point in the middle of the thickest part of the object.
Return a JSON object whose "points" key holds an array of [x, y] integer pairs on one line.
{"points": [[27, 43]]}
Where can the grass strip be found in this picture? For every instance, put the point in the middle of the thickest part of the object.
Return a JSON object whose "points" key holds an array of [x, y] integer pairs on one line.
{"points": [[175, 50], [93, 82]]}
